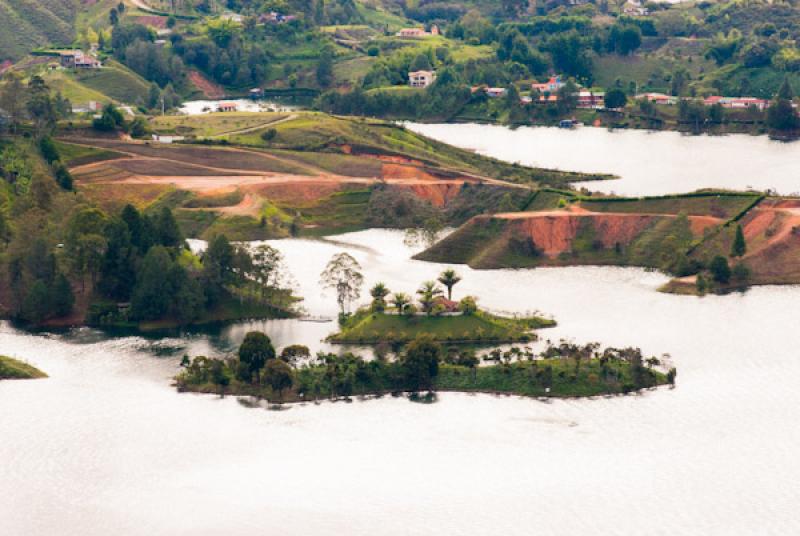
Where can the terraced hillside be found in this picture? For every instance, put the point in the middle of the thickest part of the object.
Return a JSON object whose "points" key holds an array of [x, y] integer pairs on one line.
{"points": [[27, 24]]}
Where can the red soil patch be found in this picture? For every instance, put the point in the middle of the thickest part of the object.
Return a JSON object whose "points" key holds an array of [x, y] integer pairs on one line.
{"points": [[400, 172], [153, 21], [438, 194], [296, 193], [206, 86], [554, 231]]}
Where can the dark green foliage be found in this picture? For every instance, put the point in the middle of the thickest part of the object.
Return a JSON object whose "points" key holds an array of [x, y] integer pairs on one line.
{"points": [[720, 271], [279, 376], [35, 306], [48, 149], [118, 271], [110, 120], [62, 298], [781, 115], [624, 38], [739, 247], [420, 363], [255, 351], [152, 295], [615, 98], [63, 177]]}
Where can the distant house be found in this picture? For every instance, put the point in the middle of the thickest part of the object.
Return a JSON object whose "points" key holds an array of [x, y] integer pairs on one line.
{"points": [[166, 139], [634, 8], [591, 99], [273, 17], [551, 86], [91, 106], [421, 78], [657, 98], [417, 32], [736, 102], [496, 92], [76, 59], [226, 107], [256, 93]]}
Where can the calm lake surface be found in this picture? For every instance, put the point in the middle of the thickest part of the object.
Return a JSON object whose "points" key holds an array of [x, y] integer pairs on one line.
{"points": [[106, 446], [648, 163]]}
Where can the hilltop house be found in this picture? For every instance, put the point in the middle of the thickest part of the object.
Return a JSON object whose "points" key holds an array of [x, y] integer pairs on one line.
{"points": [[421, 78], [551, 86], [91, 106], [76, 59], [496, 92], [418, 32], [274, 17]]}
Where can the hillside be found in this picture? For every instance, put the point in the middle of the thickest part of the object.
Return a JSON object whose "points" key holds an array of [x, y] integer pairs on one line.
{"points": [[314, 174], [27, 24], [680, 235]]}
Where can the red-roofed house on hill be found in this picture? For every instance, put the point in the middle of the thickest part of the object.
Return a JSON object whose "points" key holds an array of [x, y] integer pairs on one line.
{"points": [[551, 86], [76, 59]]}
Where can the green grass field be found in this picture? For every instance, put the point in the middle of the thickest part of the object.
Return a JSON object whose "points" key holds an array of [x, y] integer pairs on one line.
{"points": [[723, 205], [115, 81], [371, 328], [13, 369]]}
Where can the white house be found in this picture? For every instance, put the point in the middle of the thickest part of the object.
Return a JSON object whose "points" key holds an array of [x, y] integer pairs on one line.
{"points": [[421, 78]]}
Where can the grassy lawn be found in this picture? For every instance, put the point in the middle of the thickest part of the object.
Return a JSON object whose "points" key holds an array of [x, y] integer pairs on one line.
{"points": [[77, 155], [72, 89], [215, 124], [115, 81], [720, 205], [13, 369], [368, 327]]}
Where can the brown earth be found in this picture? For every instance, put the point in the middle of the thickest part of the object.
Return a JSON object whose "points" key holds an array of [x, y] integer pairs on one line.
{"points": [[772, 234], [208, 88], [553, 232]]}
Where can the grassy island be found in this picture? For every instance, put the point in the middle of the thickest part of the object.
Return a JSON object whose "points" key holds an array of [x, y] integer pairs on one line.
{"points": [[366, 327], [565, 370], [13, 369]]}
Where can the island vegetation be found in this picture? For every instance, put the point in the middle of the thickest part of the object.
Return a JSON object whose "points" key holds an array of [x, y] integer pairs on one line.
{"points": [[14, 369], [397, 319], [423, 365]]}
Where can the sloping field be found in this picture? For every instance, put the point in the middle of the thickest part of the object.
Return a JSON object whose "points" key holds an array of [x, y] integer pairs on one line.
{"points": [[115, 81], [222, 159], [722, 205], [27, 24], [522, 239]]}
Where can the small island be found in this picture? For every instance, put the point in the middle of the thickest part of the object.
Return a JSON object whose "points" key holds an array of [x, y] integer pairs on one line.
{"points": [[426, 350], [424, 366], [14, 369]]}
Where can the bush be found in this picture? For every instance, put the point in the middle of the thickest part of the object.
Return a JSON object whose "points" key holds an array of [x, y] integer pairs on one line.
{"points": [[720, 271], [269, 134], [468, 305], [741, 272]]}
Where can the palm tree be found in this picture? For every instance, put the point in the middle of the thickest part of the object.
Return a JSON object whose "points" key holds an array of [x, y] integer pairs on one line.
{"points": [[427, 295], [379, 293], [449, 278], [400, 300]]}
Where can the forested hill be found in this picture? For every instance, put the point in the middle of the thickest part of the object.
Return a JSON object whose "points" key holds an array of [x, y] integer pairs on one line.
{"points": [[27, 24]]}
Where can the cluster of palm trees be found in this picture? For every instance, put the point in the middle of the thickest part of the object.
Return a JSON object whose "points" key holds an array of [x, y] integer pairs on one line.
{"points": [[428, 294]]}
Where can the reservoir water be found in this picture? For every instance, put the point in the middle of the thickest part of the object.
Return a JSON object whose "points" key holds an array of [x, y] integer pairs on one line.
{"points": [[648, 163], [106, 446]]}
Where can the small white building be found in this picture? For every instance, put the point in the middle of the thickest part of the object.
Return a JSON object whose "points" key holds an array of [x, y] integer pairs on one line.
{"points": [[421, 78], [167, 139]]}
